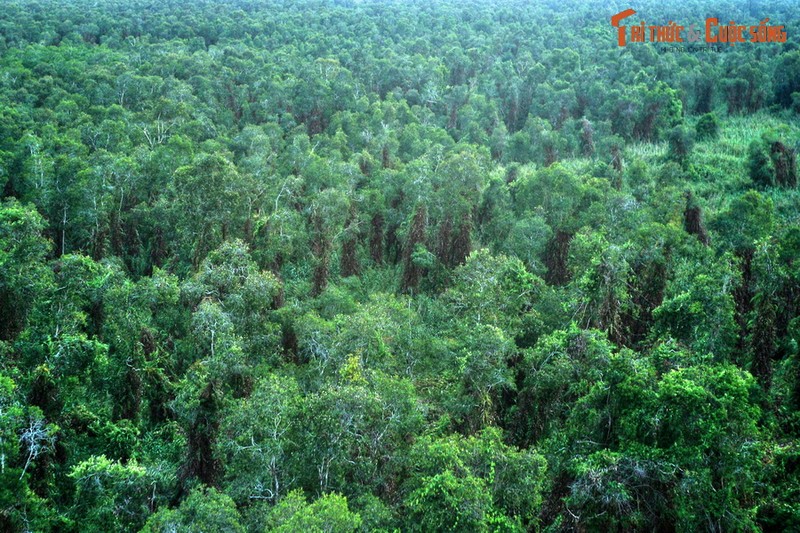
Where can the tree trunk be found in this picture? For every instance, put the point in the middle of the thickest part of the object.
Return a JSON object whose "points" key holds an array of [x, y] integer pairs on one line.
{"points": [[556, 257], [412, 273]]}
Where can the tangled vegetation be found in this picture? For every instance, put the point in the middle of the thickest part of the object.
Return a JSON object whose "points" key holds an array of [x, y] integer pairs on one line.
{"points": [[336, 266]]}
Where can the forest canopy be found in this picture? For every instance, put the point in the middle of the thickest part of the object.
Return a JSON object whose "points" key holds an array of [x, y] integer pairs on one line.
{"points": [[339, 266]]}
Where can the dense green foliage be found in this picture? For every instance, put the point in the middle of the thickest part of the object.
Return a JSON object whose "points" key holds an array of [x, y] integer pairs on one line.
{"points": [[335, 266]]}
